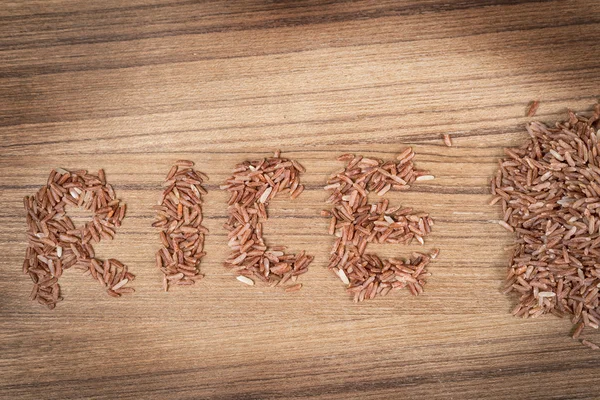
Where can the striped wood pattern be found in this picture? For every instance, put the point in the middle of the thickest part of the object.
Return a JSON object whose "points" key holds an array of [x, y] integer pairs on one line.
{"points": [[132, 86]]}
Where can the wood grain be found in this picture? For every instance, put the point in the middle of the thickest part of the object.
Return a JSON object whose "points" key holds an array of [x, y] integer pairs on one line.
{"points": [[132, 86]]}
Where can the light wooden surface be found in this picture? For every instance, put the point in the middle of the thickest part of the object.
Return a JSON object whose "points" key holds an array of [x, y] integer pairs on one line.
{"points": [[132, 86]]}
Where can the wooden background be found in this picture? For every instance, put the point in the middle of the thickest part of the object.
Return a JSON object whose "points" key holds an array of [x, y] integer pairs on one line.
{"points": [[132, 86]]}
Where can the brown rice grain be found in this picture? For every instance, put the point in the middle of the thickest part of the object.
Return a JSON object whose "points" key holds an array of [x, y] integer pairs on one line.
{"points": [[64, 245], [532, 108], [549, 195], [251, 188], [356, 223], [179, 218]]}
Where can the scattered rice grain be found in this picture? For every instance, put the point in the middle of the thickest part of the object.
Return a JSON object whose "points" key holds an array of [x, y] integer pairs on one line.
{"points": [[550, 198]]}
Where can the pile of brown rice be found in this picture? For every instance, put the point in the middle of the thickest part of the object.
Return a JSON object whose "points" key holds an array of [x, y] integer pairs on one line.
{"points": [[55, 244], [549, 189], [356, 223], [251, 187], [179, 217]]}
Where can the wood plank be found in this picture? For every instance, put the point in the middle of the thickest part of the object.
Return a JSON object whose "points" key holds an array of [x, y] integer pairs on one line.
{"points": [[131, 87]]}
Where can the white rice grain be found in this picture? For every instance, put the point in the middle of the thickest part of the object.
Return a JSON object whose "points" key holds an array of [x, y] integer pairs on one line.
{"points": [[245, 279], [343, 277], [265, 195], [425, 178], [121, 283]]}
